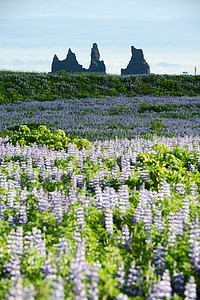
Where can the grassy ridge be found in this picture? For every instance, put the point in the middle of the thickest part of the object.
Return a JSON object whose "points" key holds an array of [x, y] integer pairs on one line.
{"points": [[19, 86]]}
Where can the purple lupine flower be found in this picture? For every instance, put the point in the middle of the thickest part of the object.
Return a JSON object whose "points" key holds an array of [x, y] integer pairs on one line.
{"points": [[144, 174], [121, 275], [19, 238], [124, 198], [17, 175], [49, 270], [152, 295], [113, 196], [38, 243], [3, 181], [96, 179], [164, 286], [105, 174], [2, 207], [108, 220], [115, 171], [125, 174], [80, 181], [99, 200], [190, 292], [77, 236], [28, 239], [194, 193], [137, 215], [64, 247], [175, 226], [16, 208], [122, 297], [72, 150], [18, 292], [83, 199], [165, 190], [57, 173], [125, 168], [186, 211], [178, 283], [106, 198], [125, 236], [80, 163], [57, 289], [195, 227], [191, 167], [74, 181], [79, 290], [70, 169], [23, 195], [9, 168], [11, 195], [12, 268], [91, 183], [72, 195], [133, 283], [47, 164], [158, 221], [125, 162], [194, 254], [143, 197], [29, 168], [180, 188], [57, 206], [93, 275], [77, 267], [147, 218], [159, 259], [15, 241], [42, 198], [80, 218], [194, 251], [161, 289]]}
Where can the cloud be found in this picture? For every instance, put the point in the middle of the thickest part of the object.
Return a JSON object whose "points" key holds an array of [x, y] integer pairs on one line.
{"points": [[167, 65]]}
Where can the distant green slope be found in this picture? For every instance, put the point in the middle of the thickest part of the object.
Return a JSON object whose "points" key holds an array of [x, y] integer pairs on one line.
{"points": [[18, 86]]}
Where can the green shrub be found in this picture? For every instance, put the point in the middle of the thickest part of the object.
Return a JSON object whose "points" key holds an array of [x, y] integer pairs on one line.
{"points": [[42, 135]]}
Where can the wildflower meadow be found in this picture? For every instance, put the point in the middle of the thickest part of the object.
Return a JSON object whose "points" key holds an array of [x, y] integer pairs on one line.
{"points": [[99, 186]]}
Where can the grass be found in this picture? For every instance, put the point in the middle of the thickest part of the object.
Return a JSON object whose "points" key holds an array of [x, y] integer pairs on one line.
{"points": [[48, 87]]}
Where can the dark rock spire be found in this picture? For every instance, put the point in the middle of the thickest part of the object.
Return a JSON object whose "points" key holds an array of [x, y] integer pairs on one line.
{"points": [[55, 64], [70, 64], [96, 65], [137, 64]]}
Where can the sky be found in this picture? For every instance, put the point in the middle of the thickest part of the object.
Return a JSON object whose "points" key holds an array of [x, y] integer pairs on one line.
{"points": [[32, 31]]}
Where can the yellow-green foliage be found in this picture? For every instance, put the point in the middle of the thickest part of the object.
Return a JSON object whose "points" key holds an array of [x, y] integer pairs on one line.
{"points": [[42, 135]]}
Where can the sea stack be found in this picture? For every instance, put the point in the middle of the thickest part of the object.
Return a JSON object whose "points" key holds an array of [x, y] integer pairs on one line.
{"points": [[96, 65], [70, 64], [137, 64]]}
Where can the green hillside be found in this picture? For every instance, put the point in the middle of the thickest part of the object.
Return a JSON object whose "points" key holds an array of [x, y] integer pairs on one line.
{"points": [[19, 86]]}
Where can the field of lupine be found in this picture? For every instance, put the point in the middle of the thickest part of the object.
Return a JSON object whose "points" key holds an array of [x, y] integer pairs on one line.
{"points": [[99, 186]]}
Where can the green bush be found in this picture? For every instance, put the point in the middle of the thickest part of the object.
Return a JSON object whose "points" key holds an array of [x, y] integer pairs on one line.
{"points": [[42, 135]]}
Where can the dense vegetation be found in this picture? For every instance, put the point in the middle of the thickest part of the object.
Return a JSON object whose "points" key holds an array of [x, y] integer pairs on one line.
{"points": [[112, 217], [46, 87]]}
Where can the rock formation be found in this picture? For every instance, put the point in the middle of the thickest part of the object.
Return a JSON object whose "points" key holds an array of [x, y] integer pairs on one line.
{"points": [[70, 64], [96, 65], [137, 64]]}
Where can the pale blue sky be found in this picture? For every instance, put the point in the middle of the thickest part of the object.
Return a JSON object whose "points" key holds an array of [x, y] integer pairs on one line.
{"points": [[32, 31]]}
